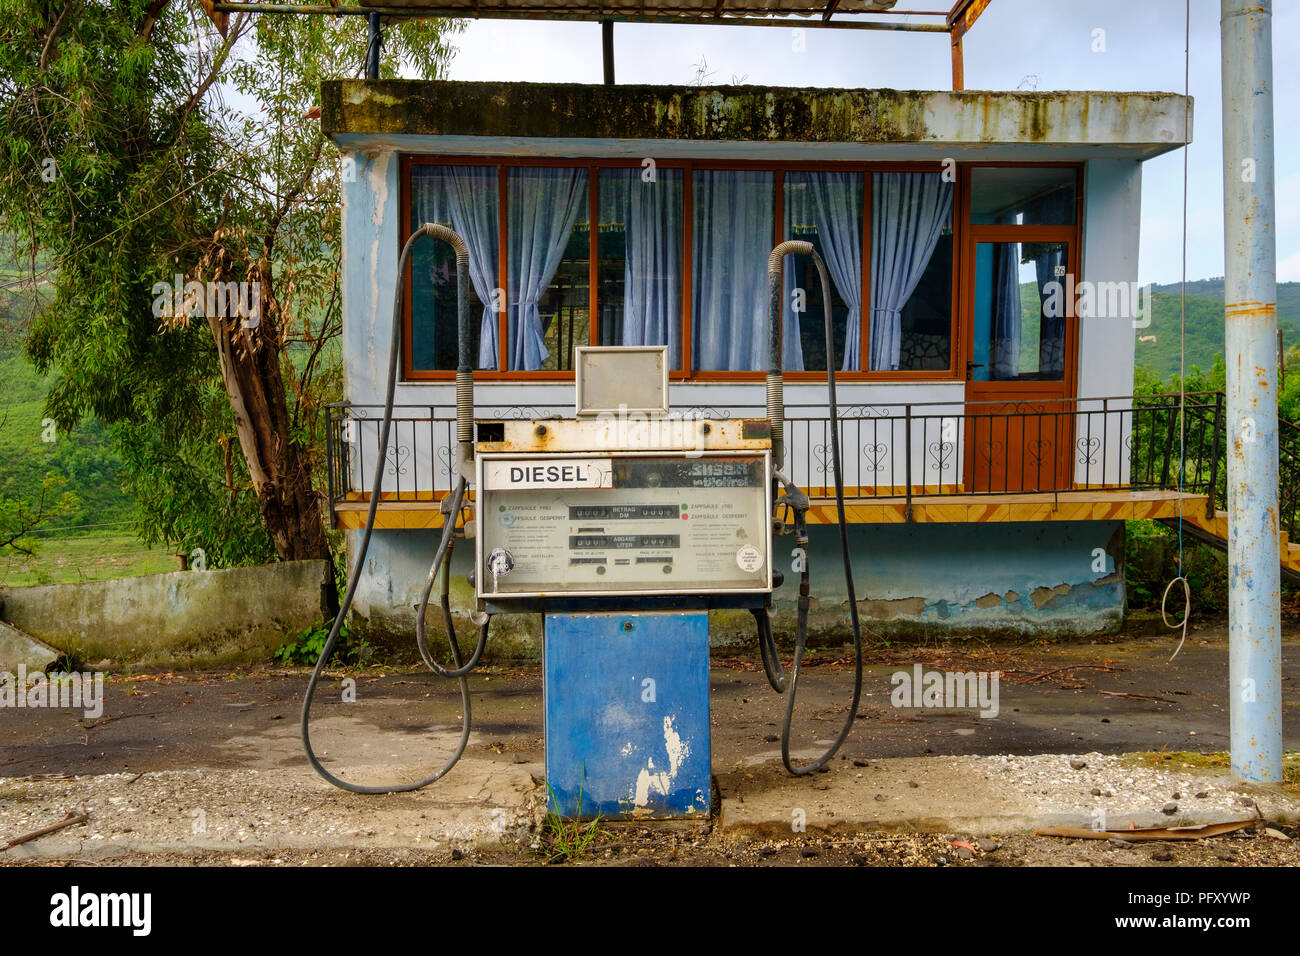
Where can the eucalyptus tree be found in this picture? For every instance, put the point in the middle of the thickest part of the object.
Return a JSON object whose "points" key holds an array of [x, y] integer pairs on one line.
{"points": [[162, 175]]}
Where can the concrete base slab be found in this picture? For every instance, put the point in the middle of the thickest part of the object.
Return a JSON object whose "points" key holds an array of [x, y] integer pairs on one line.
{"points": [[988, 794], [18, 647]]}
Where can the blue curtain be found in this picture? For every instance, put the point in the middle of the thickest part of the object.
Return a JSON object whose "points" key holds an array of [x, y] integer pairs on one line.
{"points": [[1051, 328], [832, 204], [732, 238], [1004, 345], [908, 213], [651, 217], [465, 198], [543, 205]]}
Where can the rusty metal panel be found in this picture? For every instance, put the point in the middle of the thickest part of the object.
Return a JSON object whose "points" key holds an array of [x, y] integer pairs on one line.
{"points": [[630, 434]]}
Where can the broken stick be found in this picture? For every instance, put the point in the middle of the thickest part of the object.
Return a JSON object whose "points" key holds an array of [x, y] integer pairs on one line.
{"points": [[71, 820]]}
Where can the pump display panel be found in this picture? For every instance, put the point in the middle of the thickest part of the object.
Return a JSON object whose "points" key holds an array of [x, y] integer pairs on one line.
{"points": [[591, 524]]}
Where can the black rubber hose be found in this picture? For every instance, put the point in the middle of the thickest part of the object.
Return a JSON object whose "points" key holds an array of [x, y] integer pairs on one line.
{"points": [[442, 564], [801, 538], [768, 651], [346, 604]]}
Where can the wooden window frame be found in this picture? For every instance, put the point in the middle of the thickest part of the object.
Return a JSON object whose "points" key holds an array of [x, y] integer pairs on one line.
{"points": [[1072, 235], [960, 224]]}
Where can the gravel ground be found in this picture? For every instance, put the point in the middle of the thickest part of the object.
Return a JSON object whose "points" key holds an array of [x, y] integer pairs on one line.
{"points": [[286, 817]]}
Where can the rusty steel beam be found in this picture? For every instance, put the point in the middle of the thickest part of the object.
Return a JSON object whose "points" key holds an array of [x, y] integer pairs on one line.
{"points": [[580, 16], [960, 19]]}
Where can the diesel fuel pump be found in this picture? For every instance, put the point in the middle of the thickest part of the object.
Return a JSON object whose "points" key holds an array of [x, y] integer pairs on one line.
{"points": [[623, 527]]}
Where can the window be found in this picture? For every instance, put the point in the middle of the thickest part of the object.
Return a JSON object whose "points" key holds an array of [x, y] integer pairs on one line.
{"points": [[1023, 196], [612, 253], [639, 265], [733, 226], [464, 198], [910, 214], [824, 208], [547, 243]]}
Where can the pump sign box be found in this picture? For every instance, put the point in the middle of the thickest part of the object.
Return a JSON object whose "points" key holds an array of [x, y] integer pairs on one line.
{"points": [[596, 525]]}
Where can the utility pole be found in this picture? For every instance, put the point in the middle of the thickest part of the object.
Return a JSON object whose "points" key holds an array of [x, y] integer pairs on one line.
{"points": [[1250, 333]]}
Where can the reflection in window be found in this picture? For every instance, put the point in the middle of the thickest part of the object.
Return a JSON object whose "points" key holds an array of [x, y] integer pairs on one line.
{"points": [[465, 198], [1023, 195], [1018, 336], [826, 210], [910, 213], [640, 259], [548, 253], [733, 224]]}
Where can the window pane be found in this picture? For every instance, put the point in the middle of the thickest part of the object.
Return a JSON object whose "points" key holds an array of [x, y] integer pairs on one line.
{"points": [[464, 198], [911, 271], [640, 259], [826, 210], [926, 322], [1022, 195], [1019, 324], [548, 245], [732, 228]]}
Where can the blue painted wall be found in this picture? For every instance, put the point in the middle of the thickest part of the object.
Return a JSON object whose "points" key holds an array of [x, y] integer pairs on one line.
{"points": [[1041, 579], [1035, 579]]}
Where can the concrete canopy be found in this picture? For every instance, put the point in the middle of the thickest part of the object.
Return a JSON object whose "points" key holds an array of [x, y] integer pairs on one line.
{"points": [[768, 122]]}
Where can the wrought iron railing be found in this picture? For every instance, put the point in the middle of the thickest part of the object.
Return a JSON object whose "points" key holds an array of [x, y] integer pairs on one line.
{"points": [[891, 451]]}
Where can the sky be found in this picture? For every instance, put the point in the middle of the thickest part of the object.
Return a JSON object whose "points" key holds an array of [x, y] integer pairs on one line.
{"points": [[1017, 44]]}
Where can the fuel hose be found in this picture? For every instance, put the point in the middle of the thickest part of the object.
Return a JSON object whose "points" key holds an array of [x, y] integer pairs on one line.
{"points": [[441, 560], [798, 501]]}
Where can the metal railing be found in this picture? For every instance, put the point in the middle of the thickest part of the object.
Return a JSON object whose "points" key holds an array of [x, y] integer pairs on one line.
{"points": [[891, 451]]}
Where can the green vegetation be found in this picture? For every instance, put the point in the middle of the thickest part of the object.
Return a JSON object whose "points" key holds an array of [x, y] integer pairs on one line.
{"points": [[122, 170], [85, 557], [83, 458], [1157, 347], [567, 840], [305, 648]]}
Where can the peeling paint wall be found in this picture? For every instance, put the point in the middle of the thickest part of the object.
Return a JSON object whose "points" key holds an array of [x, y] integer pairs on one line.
{"points": [[996, 580]]}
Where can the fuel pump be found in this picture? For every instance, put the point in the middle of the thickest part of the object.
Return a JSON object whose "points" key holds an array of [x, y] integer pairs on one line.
{"points": [[623, 527]]}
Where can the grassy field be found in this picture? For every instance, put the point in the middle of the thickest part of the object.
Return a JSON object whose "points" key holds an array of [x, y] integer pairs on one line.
{"points": [[89, 557]]}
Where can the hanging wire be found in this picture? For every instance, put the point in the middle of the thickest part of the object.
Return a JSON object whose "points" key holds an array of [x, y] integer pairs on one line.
{"points": [[1182, 360]]}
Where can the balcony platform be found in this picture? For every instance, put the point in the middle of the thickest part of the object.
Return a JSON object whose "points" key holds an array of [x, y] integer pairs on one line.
{"points": [[1111, 504]]}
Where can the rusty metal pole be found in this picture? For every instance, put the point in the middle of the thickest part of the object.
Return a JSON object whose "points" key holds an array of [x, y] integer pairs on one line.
{"points": [[1250, 332]]}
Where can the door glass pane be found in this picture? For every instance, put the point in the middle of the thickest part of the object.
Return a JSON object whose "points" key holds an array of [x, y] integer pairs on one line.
{"points": [[640, 259], [549, 256], [1019, 332], [1023, 195], [732, 229]]}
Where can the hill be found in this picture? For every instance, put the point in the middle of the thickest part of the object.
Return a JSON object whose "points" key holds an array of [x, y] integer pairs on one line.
{"points": [[1204, 325], [84, 458], [1156, 346]]}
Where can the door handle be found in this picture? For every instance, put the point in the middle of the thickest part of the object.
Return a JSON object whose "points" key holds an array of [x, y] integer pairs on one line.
{"points": [[971, 367]]}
